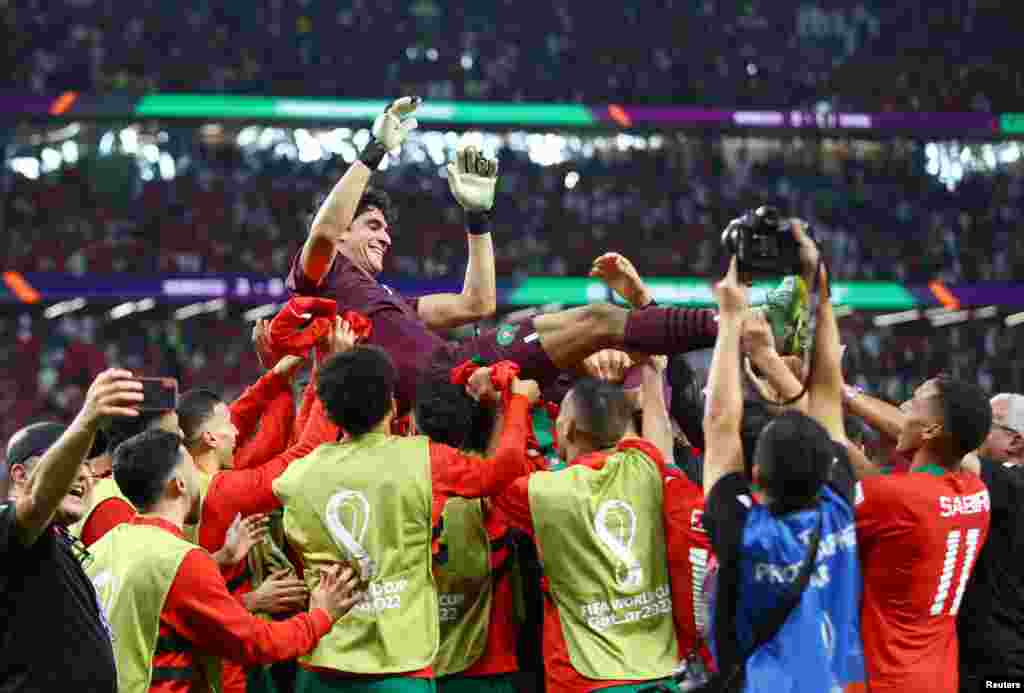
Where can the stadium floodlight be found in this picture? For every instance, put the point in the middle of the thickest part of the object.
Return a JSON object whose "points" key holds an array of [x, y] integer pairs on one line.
{"points": [[1014, 320], [260, 312], [189, 311], [63, 308], [890, 319], [949, 317], [122, 310]]}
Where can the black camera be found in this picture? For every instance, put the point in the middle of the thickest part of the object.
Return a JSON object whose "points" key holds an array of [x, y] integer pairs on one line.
{"points": [[763, 243]]}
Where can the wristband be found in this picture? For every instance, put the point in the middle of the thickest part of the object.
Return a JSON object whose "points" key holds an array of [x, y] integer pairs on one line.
{"points": [[478, 223], [372, 154]]}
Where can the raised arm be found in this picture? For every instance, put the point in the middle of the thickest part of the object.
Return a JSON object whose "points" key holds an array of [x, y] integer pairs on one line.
{"points": [[724, 413], [619, 275], [759, 345], [473, 179], [337, 211], [657, 427], [879, 414], [455, 473], [825, 390], [113, 393]]}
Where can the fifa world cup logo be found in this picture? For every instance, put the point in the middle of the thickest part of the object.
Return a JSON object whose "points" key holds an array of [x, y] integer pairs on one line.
{"points": [[348, 517], [615, 526]]}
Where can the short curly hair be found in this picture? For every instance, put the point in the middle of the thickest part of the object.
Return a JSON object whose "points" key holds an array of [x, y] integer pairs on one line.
{"points": [[446, 414], [357, 388]]}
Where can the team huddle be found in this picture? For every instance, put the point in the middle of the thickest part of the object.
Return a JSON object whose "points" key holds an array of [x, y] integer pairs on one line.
{"points": [[554, 502]]}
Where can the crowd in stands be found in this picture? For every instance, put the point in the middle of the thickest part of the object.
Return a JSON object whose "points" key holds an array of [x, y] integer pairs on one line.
{"points": [[879, 217], [740, 53]]}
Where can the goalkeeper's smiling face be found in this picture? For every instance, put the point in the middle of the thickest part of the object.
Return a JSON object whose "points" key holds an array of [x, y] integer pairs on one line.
{"points": [[367, 241]]}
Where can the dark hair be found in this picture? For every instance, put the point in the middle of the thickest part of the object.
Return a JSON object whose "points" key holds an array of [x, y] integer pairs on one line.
{"points": [[757, 414], [375, 197], [601, 410], [446, 414], [123, 428], [357, 387], [143, 464], [195, 407], [687, 405], [966, 414], [794, 458]]}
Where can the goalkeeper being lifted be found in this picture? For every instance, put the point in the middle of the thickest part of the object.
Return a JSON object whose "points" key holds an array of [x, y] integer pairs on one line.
{"points": [[351, 234]]}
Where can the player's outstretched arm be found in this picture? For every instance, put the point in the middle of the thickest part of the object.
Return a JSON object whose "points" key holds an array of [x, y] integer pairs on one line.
{"points": [[879, 414], [825, 391], [337, 211], [473, 179], [724, 411]]}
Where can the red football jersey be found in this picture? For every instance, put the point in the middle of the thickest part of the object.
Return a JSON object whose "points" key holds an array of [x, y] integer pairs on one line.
{"points": [[919, 535], [689, 553]]}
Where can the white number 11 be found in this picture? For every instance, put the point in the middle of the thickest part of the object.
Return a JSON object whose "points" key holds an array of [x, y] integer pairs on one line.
{"points": [[949, 570]]}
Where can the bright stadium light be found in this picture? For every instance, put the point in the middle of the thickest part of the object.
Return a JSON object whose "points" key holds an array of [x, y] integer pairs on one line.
{"points": [[63, 308], [1014, 320], [896, 318], [260, 312], [122, 310], [50, 160], [27, 166], [69, 150], [949, 317], [189, 311]]}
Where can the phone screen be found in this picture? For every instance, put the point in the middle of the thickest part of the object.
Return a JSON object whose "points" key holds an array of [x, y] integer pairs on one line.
{"points": [[159, 394]]}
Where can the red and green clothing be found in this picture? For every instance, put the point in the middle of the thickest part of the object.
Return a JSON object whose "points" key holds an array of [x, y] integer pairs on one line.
{"points": [[449, 473], [515, 504], [200, 615]]}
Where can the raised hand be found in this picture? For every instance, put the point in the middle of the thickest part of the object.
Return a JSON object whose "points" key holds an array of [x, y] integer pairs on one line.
{"points": [[730, 294], [757, 337], [473, 179], [241, 537], [114, 393], [809, 253], [481, 388], [619, 275], [608, 364], [393, 125], [390, 130], [289, 366], [529, 388]]}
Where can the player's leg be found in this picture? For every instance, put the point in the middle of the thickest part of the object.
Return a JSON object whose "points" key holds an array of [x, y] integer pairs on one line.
{"points": [[554, 343], [568, 337]]}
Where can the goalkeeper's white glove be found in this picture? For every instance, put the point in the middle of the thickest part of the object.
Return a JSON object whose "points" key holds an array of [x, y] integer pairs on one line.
{"points": [[390, 130], [473, 179]]}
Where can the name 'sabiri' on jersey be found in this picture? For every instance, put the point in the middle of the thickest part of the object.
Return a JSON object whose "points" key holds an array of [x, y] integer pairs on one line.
{"points": [[951, 506]]}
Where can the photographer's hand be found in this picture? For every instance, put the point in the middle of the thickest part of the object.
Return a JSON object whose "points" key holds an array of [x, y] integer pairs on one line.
{"points": [[810, 256]]}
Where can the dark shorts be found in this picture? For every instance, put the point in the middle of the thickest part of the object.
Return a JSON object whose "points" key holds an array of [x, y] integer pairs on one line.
{"points": [[500, 683], [312, 682], [517, 342]]}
